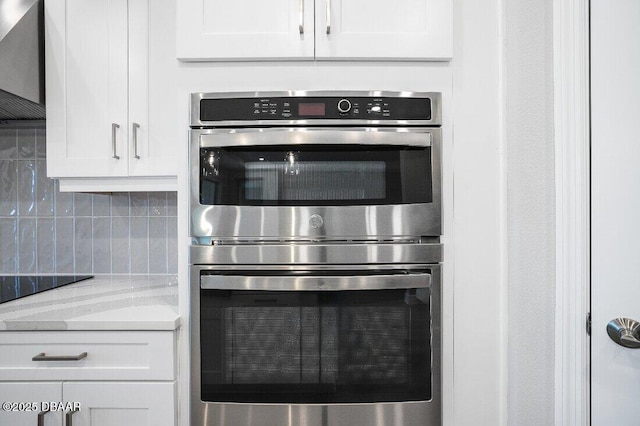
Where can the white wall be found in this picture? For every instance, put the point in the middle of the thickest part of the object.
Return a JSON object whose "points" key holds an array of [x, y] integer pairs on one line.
{"points": [[479, 217], [531, 209]]}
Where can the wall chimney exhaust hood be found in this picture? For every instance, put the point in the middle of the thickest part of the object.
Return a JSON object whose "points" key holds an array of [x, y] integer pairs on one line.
{"points": [[22, 60]]}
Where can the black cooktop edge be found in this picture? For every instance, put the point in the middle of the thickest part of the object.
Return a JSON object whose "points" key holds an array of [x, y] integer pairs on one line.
{"points": [[14, 287]]}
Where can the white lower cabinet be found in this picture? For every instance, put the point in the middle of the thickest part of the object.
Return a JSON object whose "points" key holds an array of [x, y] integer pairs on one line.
{"points": [[121, 403], [102, 378], [31, 396]]}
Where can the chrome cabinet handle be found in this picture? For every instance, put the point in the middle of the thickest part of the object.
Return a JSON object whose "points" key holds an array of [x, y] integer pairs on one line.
{"points": [[301, 17], [41, 415], [68, 417], [625, 332], [136, 126], [44, 357], [114, 128], [328, 16]]}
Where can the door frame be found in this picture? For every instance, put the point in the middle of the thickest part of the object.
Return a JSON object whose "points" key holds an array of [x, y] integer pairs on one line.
{"points": [[572, 185]]}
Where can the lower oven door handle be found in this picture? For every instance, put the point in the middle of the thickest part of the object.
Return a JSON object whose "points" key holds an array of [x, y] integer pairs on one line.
{"points": [[315, 283]]}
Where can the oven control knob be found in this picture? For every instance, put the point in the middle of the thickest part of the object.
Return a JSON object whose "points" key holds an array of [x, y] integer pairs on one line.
{"points": [[316, 221], [344, 106]]}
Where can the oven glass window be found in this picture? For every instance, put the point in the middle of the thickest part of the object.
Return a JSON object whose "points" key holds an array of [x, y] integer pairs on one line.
{"points": [[315, 175], [315, 347]]}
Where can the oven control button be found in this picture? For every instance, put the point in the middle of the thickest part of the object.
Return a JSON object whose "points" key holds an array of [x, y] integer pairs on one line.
{"points": [[316, 221], [344, 106]]}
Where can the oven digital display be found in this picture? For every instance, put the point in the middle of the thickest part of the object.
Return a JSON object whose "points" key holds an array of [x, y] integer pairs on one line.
{"points": [[311, 109]]}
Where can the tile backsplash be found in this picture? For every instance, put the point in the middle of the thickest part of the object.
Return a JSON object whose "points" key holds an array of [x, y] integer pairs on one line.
{"points": [[43, 230]]}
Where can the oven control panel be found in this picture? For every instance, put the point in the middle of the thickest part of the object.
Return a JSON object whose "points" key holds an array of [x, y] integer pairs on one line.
{"points": [[315, 108]]}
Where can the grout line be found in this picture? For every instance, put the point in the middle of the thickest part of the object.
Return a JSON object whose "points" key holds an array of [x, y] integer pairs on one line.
{"points": [[91, 199], [36, 258], [16, 259], [166, 235], [73, 234], [91, 262], [148, 242], [73, 244], [129, 266]]}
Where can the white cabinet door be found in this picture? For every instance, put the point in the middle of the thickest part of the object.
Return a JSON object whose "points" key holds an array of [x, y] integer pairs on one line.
{"points": [[381, 29], [31, 393], [111, 62], [153, 127], [615, 208], [245, 29], [284, 29], [138, 119], [122, 403], [86, 49]]}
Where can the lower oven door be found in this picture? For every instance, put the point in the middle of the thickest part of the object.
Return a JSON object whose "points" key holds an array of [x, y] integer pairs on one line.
{"points": [[330, 347]]}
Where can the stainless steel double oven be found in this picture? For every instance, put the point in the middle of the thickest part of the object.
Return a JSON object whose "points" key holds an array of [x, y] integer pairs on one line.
{"points": [[316, 259]]}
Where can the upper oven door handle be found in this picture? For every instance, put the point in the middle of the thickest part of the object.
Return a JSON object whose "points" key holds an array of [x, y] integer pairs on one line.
{"points": [[315, 283], [420, 137]]}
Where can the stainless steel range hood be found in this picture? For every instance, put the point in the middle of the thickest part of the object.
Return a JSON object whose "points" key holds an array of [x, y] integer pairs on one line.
{"points": [[21, 60]]}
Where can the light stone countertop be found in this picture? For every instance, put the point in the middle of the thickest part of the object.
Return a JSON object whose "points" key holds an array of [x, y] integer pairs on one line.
{"points": [[105, 302]]}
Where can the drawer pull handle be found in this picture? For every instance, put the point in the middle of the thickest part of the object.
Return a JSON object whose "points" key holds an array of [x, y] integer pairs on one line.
{"points": [[41, 415], [44, 357], [68, 417]]}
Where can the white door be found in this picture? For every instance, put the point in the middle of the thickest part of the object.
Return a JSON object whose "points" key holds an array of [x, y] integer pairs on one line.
{"points": [[244, 29], [615, 241], [122, 403], [33, 395], [86, 48], [380, 29]]}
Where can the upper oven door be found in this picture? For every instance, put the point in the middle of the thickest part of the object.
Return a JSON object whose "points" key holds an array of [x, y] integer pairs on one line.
{"points": [[315, 183]]}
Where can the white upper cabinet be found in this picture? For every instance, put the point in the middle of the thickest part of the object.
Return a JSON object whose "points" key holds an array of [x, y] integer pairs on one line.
{"points": [[104, 76], [86, 87], [374, 29], [210, 30], [245, 29]]}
